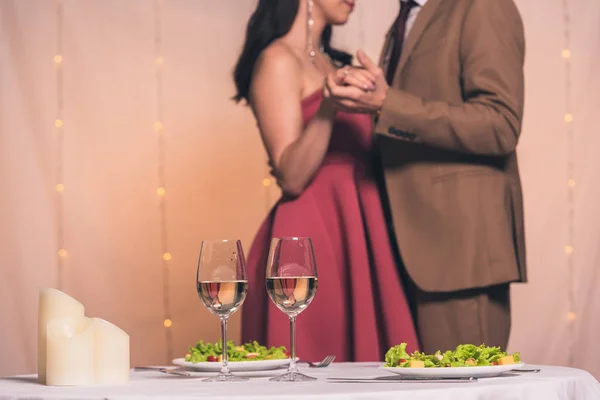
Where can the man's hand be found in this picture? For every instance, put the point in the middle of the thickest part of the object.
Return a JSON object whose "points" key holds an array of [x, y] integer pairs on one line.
{"points": [[357, 90]]}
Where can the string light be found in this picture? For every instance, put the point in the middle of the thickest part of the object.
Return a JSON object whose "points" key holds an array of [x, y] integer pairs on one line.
{"points": [[569, 248], [266, 185], [161, 190], [59, 135]]}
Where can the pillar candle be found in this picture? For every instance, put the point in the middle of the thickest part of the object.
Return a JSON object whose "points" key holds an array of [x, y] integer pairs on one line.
{"points": [[111, 353], [53, 304], [70, 352]]}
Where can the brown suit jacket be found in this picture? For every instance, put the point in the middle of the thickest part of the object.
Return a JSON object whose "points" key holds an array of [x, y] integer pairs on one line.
{"points": [[447, 135]]}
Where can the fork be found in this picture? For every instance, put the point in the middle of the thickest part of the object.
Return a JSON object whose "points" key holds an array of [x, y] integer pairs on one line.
{"points": [[321, 364]]}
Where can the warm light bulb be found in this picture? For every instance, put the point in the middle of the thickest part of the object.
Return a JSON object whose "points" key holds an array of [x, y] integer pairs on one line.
{"points": [[58, 59], [266, 182], [158, 126], [571, 316], [60, 187], [167, 323], [568, 117], [62, 253], [571, 182], [167, 256], [161, 191], [569, 249], [58, 123], [566, 53]]}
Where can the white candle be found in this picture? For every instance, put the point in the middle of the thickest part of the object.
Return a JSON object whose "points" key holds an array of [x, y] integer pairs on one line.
{"points": [[70, 352], [111, 353], [53, 304]]}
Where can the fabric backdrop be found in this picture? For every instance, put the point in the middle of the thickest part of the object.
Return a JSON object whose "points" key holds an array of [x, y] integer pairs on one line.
{"points": [[120, 150]]}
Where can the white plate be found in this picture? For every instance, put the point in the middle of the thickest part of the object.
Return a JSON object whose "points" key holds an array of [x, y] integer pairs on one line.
{"points": [[454, 372], [213, 366]]}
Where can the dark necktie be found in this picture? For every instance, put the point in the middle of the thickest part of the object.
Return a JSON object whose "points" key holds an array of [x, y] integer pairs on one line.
{"points": [[400, 29]]}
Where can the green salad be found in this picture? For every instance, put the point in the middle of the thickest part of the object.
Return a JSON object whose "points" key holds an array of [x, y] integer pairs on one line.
{"points": [[465, 355], [203, 352]]}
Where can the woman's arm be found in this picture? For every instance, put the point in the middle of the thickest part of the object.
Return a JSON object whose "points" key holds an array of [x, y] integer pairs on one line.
{"points": [[296, 152]]}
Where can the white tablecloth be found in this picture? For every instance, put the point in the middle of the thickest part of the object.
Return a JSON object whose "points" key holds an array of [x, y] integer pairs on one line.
{"points": [[552, 383]]}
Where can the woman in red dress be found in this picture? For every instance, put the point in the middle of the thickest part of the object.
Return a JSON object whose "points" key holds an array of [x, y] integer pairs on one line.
{"points": [[323, 163]]}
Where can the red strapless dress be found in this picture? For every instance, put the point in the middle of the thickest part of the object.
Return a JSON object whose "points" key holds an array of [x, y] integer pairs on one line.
{"points": [[360, 309]]}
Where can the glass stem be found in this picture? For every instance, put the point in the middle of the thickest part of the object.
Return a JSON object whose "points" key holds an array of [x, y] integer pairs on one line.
{"points": [[224, 368], [293, 367]]}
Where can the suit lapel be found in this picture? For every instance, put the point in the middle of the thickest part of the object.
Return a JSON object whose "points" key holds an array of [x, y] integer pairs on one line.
{"points": [[421, 22]]}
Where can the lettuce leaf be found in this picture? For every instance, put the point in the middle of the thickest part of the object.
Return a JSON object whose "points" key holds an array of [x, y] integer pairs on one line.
{"points": [[465, 355], [252, 351]]}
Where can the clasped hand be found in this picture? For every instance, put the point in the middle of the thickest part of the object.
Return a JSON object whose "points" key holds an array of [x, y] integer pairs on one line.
{"points": [[357, 89]]}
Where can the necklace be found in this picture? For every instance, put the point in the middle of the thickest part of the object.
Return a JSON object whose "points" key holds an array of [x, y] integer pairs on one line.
{"points": [[312, 54]]}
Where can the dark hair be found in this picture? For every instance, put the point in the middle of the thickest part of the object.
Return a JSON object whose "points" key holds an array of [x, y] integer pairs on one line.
{"points": [[271, 20]]}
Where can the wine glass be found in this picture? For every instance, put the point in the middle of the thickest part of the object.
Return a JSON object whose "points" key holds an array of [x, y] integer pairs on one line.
{"points": [[292, 285], [222, 284]]}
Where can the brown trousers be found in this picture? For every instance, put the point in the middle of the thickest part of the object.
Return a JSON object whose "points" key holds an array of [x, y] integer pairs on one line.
{"points": [[445, 320]]}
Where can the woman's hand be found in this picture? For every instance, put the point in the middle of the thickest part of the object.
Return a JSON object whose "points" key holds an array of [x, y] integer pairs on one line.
{"points": [[356, 76], [346, 89], [350, 76]]}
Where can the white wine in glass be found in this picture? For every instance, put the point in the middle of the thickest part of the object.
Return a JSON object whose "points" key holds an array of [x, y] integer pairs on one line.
{"points": [[222, 298], [292, 294], [292, 284], [222, 284]]}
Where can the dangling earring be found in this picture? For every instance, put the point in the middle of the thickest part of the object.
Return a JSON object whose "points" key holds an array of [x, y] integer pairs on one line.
{"points": [[309, 30]]}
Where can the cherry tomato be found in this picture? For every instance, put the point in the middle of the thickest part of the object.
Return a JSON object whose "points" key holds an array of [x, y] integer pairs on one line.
{"points": [[211, 359]]}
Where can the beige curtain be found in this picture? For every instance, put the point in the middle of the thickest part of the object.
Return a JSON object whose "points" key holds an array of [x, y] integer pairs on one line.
{"points": [[118, 157]]}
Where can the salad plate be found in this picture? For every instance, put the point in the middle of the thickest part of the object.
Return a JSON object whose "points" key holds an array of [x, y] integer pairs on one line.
{"points": [[206, 357], [454, 372], [234, 366], [464, 362]]}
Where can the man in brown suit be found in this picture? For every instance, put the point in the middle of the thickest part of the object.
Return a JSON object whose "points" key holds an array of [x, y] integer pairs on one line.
{"points": [[447, 122]]}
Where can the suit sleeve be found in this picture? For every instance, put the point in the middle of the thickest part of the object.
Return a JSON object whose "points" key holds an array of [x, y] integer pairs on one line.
{"points": [[488, 121]]}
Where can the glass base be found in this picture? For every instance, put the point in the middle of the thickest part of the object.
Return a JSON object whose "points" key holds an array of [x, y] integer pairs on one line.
{"points": [[293, 377], [226, 377]]}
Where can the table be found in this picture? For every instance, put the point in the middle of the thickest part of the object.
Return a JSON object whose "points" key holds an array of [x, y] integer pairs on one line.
{"points": [[552, 383]]}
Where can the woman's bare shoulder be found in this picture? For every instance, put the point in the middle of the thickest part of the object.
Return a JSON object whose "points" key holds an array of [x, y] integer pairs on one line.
{"points": [[279, 66], [278, 55]]}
